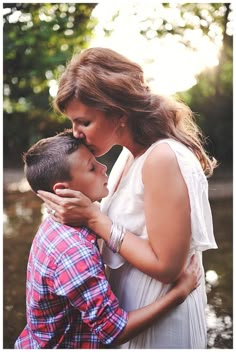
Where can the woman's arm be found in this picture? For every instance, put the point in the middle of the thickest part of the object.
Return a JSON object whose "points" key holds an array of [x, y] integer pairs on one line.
{"points": [[75, 209], [167, 211], [167, 218]]}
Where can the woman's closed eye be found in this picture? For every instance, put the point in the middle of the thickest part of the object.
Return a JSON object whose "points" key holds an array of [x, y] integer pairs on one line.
{"points": [[81, 122], [86, 123]]}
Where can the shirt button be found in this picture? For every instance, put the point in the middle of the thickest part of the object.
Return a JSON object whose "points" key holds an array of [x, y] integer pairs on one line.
{"points": [[93, 241]]}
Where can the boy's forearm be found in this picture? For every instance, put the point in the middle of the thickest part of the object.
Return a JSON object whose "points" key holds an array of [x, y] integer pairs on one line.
{"points": [[141, 319]]}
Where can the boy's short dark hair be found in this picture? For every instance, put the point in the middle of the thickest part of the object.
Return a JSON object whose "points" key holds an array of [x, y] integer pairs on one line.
{"points": [[46, 161]]}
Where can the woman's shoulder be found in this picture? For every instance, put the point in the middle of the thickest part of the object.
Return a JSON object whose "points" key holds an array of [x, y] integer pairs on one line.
{"points": [[169, 148], [163, 151], [173, 156], [160, 160], [160, 152], [172, 144]]}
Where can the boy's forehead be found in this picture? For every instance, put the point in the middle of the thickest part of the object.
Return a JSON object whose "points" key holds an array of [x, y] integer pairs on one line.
{"points": [[81, 156]]}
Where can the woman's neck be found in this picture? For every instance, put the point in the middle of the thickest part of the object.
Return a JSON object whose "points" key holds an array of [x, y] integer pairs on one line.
{"points": [[135, 148]]}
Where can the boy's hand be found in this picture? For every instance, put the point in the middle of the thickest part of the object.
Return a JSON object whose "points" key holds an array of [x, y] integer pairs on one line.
{"points": [[189, 280]]}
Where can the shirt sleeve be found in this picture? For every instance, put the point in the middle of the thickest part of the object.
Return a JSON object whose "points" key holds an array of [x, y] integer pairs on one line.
{"points": [[80, 277]]}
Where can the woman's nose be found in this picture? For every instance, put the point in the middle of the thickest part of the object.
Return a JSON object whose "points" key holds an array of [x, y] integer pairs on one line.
{"points": [[77, 133]]}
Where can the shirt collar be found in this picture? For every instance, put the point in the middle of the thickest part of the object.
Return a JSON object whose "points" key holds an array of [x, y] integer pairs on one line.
{"points": [[87, 233]]}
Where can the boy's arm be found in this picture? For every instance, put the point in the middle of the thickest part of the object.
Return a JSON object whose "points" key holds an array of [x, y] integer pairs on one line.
{"points": [[80, 277], [143, 318], [146, 316]]}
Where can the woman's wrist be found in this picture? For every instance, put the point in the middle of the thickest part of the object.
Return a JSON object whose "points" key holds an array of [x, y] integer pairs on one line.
{"points": [[100, 224]]}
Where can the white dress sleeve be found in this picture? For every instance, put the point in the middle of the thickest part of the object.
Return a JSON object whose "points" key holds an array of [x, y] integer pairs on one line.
{"points": [[196, 182]]}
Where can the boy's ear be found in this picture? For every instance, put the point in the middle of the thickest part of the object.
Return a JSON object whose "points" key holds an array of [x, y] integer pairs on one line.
{"points": [[60, 185]]}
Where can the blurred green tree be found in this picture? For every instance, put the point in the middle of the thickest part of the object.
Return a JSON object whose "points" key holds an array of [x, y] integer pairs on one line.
{"points": [[38, 40], [212, 96]]}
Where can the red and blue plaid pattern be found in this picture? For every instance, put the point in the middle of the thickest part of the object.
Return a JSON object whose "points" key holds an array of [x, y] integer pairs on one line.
{"points": [[69, 300]]}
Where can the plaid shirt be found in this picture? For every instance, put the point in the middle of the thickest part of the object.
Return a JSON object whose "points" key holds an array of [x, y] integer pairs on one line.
{"points": [[69, 300]]}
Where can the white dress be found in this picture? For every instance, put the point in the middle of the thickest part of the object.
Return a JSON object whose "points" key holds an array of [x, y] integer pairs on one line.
{"points": [[185, 326]]}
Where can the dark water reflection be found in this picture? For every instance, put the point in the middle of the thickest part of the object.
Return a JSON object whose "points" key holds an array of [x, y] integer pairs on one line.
{"points": [[21, 219]]}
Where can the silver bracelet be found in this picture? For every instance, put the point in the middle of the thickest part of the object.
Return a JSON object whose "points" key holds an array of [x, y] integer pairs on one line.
{"points": [[117, 235]]}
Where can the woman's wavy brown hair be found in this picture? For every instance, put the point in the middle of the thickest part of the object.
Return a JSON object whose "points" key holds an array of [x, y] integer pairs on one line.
{"points": [[108, 81]]}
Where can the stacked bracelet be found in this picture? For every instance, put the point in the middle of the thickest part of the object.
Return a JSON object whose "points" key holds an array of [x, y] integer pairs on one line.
{"points": [[117, 235]]}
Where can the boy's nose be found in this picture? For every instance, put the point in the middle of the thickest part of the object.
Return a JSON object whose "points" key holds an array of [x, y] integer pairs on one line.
{"points": [[103, 168]]}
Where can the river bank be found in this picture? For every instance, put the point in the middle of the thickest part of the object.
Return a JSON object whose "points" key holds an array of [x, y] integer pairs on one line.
{"points": [[23, 214], [220, 185]]}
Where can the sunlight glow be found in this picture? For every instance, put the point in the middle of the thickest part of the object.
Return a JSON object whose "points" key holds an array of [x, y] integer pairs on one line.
{"points": [[169, 66], [53, 87], [218, 326], [14, 17], [212, 277]]}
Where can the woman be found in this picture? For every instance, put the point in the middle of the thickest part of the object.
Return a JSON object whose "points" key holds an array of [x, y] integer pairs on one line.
{"points": [[157, 213]]}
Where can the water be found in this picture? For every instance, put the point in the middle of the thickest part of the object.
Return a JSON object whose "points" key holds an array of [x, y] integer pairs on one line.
{"points": [[22, 217], [219, 274]]}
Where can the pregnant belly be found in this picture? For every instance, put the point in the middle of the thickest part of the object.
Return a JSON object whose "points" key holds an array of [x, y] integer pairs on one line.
{"points": [[133, 288]]}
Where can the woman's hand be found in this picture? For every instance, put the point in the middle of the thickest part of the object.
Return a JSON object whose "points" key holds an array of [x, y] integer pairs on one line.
{"points": [[189, 280], [70, 207]]}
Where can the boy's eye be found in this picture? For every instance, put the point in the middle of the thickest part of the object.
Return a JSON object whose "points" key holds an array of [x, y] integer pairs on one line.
{"points": [[86, 123]]}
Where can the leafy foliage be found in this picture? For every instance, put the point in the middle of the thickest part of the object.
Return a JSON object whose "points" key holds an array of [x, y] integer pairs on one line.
{"points": [[212, 99], [38, 40]]}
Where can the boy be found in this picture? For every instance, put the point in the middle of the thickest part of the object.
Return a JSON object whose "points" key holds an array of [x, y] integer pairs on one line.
{"points": [[69, 301]]}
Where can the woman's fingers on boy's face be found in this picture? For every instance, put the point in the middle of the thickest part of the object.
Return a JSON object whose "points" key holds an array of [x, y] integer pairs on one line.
{"points": [[50, 203], [70, 193], [50, 198], [62, 196], [46, 195], [71, 197]]}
